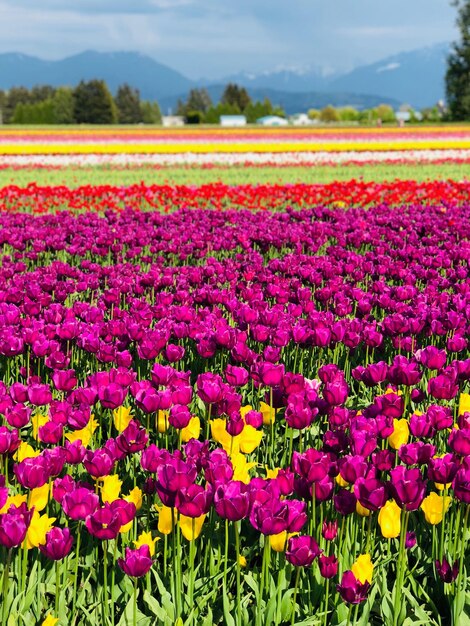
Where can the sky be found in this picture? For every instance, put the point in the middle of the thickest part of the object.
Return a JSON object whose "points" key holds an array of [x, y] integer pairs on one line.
{"points": [[216, 38]]}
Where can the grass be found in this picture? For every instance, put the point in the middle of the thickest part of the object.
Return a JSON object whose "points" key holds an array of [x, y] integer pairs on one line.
{"points": [[234, 175]]}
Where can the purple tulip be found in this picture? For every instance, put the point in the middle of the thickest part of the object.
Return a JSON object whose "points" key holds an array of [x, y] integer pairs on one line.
{"points": [[302, 550], [79, 503], [461, 485], [352, 590], [446, 572], [104, 523], [328, 565], [371, 493], [58, 544], [14, 525], [136, 562], [98, 463], [231, 500], [133, 439], [32, 472], [194, 500], [9, 440], [408, 487], [459, 441]]}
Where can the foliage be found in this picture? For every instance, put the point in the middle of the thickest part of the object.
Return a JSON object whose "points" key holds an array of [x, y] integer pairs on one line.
{"points": [[41, 112], [237, 96], [329, 114], [348, 114], [458, 67], [128, 105], [63, 106], [151, 113], [93, 103]]}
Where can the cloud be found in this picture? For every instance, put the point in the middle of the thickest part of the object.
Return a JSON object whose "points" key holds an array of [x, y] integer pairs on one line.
{"points": [[219, 37]]}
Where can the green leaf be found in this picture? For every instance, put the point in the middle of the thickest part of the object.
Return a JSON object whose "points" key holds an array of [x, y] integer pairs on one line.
{"points": [[154, 606], [229, 621], [286, 605]]}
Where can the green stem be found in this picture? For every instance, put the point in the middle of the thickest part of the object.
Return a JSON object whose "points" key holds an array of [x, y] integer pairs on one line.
{"points": [[105, 581], [134, 614], [237, 550], [75, 578], [57, 588], [296, 586], [6, 581], [192, 545], [400, 569], [459, 577], [327, 594]]}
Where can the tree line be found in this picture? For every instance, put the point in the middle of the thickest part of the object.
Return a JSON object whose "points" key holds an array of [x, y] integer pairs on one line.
{"points": [[90, 102], [235, 100]]}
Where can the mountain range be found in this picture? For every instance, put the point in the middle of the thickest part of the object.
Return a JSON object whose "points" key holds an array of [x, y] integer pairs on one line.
{"points": [[415, 77]]}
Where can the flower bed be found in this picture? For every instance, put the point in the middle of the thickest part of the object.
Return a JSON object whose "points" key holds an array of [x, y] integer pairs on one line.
{"points": [[238, 416]]}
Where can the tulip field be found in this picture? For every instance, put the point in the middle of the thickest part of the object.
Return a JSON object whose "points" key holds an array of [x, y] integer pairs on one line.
{"points": [[234, 404]]}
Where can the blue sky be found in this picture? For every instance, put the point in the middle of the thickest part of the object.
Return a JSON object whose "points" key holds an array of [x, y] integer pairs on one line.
{"points": [[214, 38]]}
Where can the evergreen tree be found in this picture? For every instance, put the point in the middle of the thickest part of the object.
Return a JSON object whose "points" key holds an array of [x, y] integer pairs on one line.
{"points": [[236, 96], [199, 100], [458, 67], [150, 112], [93, 103], [62, 104], [39, 93], [128, 105], [15, 96], [3, 101]]}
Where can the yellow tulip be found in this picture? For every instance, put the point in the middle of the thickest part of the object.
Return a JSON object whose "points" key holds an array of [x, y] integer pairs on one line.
{"points": [[390, 520], [135, 496], [219, 433], [50, 621], [244, 410], [272, 473], [39, 497], [146, 539], [340, 481], [85, 434], [400, 435], [191, 526], [165, 520], [279, 542], [111, 488], [25, 451], [441, 486], [162, 421], [434, 507], [242, 561], [361, 510], [37, 421], [126, 527], [241, 468], [464, 403], [192, 430], [15, 500], [121, 417], [363, 568], [38, 528], [250, 438], [268, 413]]}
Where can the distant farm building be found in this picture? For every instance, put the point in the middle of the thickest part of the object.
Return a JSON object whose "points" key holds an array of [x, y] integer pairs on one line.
{"points": [[272, 120], [232, 120], [301, 119], [173, 120]]}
